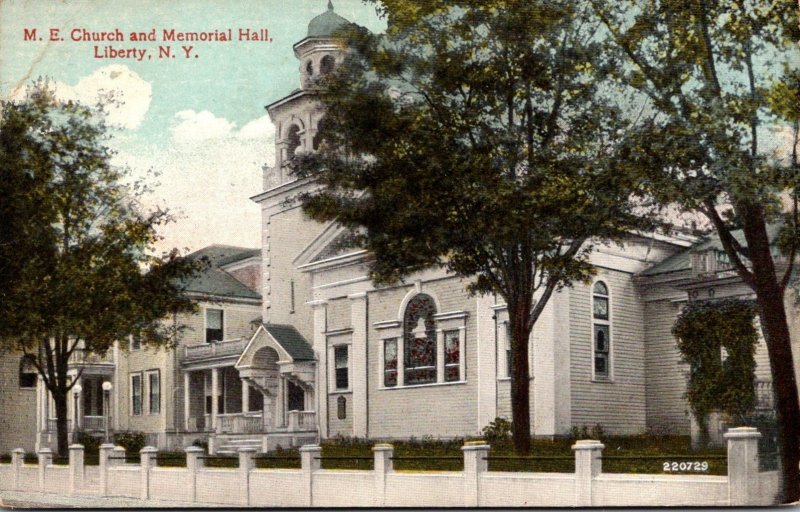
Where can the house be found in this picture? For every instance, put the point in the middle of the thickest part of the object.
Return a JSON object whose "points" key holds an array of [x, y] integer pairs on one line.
{"points": [[293, 342]]}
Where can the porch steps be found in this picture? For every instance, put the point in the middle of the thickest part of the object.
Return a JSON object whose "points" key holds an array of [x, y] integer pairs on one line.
{"points": [[230, 446]]}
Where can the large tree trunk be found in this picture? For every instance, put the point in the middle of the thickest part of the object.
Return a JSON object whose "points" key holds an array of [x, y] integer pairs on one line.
{"points": [[772, 313], [519, 313], [60, 401]]}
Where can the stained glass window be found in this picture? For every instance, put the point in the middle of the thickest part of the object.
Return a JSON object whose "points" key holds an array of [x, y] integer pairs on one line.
{"points": [[601, 330], [452, 356], [390, 363], [419, 330]]}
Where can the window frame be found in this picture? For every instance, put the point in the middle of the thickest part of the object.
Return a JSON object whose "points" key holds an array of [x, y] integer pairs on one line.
{"points": [[149, 374], [132, 377], [134, 343], [206, 328], [336, 368], [598, 321], [396, 369], [390, 331], [31, 371]]}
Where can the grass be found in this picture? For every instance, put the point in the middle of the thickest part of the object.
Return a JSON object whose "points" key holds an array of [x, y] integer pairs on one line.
{"points": [[634, 454]]}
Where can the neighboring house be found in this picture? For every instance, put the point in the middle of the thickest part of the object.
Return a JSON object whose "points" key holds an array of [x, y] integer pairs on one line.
{"points": [[293, 342]]}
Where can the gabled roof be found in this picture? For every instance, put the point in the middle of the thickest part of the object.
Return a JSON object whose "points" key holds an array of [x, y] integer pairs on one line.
{"points": [[683, 260], [214, 281], [291, 340]]}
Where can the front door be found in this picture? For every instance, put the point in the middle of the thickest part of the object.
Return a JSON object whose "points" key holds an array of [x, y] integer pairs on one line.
{"points": [[296, 398]]}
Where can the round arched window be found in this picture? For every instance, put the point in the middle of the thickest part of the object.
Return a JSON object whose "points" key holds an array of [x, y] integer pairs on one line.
{"points": [[293, 140], [419, 331], [310, 68], [327, 64]]}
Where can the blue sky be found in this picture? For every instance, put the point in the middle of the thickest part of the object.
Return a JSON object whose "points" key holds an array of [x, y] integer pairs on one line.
{"points": [[198, 122]]}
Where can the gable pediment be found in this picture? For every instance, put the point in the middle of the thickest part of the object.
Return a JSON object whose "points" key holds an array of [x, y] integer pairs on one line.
{"points": [[330, 243]]}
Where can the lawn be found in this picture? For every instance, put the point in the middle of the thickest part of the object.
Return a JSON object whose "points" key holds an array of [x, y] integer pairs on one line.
{"points": [[634, 454]]}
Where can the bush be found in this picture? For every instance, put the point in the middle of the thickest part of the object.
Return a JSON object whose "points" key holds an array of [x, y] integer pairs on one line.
{"points": [[497, 431], [584, 432], [91, 444], [133, 442]]}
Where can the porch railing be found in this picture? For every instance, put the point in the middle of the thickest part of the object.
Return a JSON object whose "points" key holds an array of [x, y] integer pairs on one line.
{"points": [[94, 422], [52, 427], [219, 348], [239, 423], [299, 421], [82, 356]]}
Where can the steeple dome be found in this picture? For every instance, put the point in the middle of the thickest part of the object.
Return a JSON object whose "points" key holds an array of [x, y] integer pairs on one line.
{"points": [[326, 24]]}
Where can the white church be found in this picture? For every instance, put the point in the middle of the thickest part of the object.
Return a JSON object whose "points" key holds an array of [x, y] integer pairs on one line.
{"points": [[294, 343]]}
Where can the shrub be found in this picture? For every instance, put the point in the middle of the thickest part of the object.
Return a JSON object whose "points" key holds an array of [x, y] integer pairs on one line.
{"points": [[497, 431], [91, 444], [133, 442]]}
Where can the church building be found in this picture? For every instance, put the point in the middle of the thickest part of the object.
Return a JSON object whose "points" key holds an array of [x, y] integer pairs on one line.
{"points": [[294, 343]]}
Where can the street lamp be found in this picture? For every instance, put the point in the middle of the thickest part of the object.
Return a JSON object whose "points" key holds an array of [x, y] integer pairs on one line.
{"points": [[106, 400], [76, 392]]}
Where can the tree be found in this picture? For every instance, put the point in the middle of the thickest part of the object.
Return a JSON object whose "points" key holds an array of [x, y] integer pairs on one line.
{"points": [[718, 75], [76, 271], [475, 138]]}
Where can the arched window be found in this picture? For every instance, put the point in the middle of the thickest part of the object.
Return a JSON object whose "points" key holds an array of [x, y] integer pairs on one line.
{"points": [[310, 68], [293, 138], [27, 372], [327, 64], [419, 336], [601, 329]]}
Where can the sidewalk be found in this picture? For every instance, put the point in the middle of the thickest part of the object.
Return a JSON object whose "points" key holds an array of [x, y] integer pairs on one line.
{"points": [[19, 499]]}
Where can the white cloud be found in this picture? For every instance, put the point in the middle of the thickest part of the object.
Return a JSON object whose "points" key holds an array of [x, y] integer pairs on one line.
{"points": [[207, 176], [129, 94]]}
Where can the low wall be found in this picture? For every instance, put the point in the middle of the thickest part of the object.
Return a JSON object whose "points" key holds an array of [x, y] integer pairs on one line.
{"points": [[503, 489], [312, 486]]}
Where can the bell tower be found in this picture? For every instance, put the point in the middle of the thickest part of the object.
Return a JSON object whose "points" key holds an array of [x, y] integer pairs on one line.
{"points": [[286, 230], [296, 116]]}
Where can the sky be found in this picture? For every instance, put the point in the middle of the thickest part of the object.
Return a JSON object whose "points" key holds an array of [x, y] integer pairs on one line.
{"points": [[195, 127]]}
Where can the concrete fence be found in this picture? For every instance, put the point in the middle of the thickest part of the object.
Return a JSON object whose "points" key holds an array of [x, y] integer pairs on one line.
{"points": [[312, 486]]}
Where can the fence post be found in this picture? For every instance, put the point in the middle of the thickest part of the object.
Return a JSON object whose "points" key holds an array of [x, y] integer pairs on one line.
{"points": [[193, 463], [119, 455], [588, 465], [475, 464], [384, 465], [45, 459], [309, 462], [148, 460], [743, 479], [75, 468], [106, 451], [246, 464], [17, 460]]}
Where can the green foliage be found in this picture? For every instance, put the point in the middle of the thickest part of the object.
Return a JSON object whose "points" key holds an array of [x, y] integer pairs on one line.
{"points": [[497, 430], [704, 329], [479, 138], [584, 432], [132, 441], [91, 444], [80, 272]]}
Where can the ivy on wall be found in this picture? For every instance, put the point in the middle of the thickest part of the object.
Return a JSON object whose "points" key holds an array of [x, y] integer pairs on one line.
{"points": [[718, 341]]}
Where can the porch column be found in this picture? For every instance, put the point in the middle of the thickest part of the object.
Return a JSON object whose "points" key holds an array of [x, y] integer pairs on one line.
{"points": [[280, 417], [245, 396], [186, 400], [214, 397]]}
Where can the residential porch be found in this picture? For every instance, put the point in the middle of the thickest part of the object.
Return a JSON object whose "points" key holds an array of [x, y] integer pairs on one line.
{"points": [[90, 404], [251, 387]]}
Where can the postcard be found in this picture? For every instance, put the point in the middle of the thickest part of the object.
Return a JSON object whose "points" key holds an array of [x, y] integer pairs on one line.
{"points": [[385, 253]]}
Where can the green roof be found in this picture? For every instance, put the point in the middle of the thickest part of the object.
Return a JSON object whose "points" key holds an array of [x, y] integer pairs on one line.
{"points": [[292, 341], [326, 24], [682, 260], [214, 280]]}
